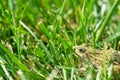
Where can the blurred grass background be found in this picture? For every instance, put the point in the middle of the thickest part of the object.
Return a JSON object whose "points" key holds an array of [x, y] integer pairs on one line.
{"points": [[37, 37]]}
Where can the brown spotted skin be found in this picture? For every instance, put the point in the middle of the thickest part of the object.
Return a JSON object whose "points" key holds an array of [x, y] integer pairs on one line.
{"points": [[97, 56]]}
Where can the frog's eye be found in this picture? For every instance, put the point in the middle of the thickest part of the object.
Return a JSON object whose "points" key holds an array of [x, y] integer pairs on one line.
{"points": [[82, 50]]}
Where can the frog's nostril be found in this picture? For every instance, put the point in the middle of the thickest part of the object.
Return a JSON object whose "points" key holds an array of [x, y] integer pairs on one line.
{"points": [[82, 50]]}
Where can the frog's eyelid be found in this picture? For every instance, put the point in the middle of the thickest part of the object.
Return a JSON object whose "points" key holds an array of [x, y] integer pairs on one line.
{"points": [[75, 47]]}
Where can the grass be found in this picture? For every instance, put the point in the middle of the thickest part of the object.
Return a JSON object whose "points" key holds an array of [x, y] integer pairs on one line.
{"points": [[37, 38], [105, 22]]}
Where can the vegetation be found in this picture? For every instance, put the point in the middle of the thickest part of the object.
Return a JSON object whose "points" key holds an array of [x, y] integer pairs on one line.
{"points": [[37, 37]]}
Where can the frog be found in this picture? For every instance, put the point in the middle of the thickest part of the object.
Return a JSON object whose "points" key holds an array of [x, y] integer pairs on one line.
{"points": [[97, 57]]}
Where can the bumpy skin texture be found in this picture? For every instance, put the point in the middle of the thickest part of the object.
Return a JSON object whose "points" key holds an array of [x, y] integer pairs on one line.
{"points": [[98, 57]]}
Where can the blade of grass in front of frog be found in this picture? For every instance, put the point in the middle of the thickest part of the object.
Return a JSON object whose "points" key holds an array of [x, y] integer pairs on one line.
{"points": [[98, 76]]}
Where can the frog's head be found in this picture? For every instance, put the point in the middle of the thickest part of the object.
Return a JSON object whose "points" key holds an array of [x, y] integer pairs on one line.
{"points": [[81, 50]]}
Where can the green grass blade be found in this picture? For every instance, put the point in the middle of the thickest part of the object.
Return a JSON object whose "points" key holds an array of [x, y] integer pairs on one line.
{"points": [[28, 30], [45, 51], [12, 56], [5, 70], [45, 30], [111, 38], [64, 74], [1, 5], [72, 74], [62, 7], [107, 19]]}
